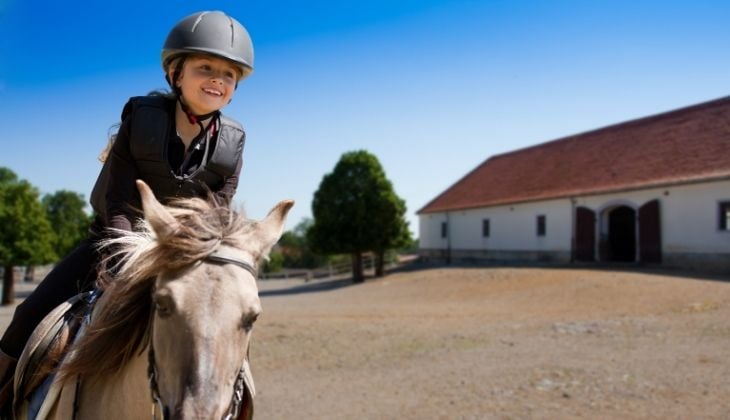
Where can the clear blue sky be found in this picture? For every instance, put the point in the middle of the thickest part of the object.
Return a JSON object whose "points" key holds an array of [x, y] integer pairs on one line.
{"points": [[432, 87]]}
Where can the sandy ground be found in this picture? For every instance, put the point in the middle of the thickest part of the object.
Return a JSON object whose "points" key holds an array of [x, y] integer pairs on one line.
{"points": [[503, 343], [480, 343]]}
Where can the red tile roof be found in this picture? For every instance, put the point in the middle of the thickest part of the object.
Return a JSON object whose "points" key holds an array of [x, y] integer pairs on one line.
{"points": [[685, 145]]}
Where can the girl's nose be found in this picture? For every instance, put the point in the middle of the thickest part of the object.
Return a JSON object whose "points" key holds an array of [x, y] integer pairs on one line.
{"points": [[222, 77]]}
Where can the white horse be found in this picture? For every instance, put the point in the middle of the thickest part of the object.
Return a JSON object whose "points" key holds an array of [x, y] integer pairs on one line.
{"points": [[169, 336]]}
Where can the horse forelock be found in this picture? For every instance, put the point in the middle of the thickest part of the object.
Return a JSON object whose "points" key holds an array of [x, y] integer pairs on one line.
{"points": [[120, 325], [202, 226]]}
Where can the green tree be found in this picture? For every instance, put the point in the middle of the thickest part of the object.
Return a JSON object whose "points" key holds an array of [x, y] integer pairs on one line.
{"points": [[356, 210], [294, 247], [274, 263], [70, 222], [389, 216], [25, 232]]}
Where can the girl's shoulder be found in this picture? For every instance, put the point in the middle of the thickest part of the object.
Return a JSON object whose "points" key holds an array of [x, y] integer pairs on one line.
{"points": [[227, 121], [155, 101]]}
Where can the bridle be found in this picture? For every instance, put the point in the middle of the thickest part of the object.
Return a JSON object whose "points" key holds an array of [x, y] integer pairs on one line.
{"points": [[234, 408]]}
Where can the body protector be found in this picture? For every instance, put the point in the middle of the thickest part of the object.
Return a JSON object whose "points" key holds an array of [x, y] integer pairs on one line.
{"points": [[148, 139]]}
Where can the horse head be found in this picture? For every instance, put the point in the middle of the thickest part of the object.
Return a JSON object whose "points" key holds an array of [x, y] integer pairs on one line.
{"points": [[204, 312], [188, 277]]}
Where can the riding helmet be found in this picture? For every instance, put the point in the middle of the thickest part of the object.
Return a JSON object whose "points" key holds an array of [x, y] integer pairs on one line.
{"points": [[213, 33]]}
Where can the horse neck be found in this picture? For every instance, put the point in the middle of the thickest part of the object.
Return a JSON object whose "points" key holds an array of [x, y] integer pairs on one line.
{"points": [[124, 395]]}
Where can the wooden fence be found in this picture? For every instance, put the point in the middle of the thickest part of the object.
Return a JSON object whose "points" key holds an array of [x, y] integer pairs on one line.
{"points": [[331, 271]]}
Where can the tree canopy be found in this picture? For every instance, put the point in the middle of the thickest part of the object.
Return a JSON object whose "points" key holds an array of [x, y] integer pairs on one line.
{"points": [[296, 250], [356, 209], [25, 232], [70, 222]]}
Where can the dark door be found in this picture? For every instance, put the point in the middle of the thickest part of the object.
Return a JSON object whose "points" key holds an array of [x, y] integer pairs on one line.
{"points": [[650, 233], [622, 234], [585, 234]]}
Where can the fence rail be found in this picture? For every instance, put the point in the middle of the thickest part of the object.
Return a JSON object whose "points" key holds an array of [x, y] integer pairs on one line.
{"points": [[332, 270]]}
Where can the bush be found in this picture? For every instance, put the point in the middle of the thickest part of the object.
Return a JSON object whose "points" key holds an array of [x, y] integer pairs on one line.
{"points": [[274, 264]]}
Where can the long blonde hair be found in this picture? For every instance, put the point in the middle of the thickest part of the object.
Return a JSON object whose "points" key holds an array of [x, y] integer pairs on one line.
{"points": [[111, 138]]}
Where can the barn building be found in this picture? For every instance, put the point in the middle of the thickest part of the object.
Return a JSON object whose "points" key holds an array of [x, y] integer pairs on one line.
{"points": [[654, 190]]}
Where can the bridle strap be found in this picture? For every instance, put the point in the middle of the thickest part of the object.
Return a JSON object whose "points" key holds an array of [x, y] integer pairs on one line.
{"points": [[154, 390], [234, 408], [217, 257]]}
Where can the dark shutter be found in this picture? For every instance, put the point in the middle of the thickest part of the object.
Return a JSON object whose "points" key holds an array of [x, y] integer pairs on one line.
{"points": [[650, 233], [585, 234]]}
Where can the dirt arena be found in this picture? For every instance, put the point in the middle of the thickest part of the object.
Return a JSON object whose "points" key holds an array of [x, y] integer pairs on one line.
{"points": [[482, 343], [492, 343]]}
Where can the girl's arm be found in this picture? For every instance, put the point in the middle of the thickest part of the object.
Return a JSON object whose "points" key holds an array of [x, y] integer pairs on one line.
{"points": [[225, 194], [123, 203]]}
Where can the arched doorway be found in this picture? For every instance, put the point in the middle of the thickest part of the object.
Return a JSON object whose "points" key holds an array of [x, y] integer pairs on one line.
{"points": [[621, 238]]}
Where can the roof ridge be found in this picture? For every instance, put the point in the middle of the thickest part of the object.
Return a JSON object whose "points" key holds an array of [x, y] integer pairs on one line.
{"points": [[667, 147], [632, 122]]}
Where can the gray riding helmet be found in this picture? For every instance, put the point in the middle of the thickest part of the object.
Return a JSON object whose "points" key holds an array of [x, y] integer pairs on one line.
{"points": [[213, 33]]}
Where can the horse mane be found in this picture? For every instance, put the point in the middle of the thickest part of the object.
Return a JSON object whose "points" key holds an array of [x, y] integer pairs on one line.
{"points": [[121, 323]]}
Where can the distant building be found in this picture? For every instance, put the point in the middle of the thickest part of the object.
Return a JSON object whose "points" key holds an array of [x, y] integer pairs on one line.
{"points": [[653, 190]]}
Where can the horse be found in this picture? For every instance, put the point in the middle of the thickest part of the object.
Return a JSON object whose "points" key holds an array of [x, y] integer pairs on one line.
{"points": [[170, 334]]}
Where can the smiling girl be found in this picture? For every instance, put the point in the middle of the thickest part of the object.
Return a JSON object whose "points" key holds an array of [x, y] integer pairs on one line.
{"points": [[179, 144]]}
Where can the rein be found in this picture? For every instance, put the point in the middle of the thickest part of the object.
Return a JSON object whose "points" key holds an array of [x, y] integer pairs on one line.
{"points": [[234, 408]]}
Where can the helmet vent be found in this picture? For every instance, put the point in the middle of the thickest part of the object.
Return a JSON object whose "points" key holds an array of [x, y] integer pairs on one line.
{"points": [[233, 31], [197, 21]]}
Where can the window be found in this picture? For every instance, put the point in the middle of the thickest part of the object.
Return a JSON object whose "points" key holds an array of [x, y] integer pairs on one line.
{"points": [[541, 225], [444, 229], [724, 215], [485, 228]]}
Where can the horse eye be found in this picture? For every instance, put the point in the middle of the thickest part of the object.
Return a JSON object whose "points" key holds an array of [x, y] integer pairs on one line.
{"points": [[248, 321], [164, 305]]}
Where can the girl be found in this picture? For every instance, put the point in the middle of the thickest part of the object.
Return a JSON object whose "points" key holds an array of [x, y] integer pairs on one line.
{"points": [[179, 144]]}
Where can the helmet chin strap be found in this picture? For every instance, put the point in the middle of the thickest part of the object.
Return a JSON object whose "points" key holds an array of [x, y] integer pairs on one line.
{"points": [[194, 118]]}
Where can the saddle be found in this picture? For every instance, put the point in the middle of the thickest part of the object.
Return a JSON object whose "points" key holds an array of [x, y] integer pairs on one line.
{"points": [[47, 346]]}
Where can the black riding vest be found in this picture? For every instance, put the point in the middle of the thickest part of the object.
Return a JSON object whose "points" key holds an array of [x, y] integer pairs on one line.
{"points": [[148, 137]]}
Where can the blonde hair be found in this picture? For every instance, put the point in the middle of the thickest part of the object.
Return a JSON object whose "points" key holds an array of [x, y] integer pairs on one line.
{"points": [[104, 154]]}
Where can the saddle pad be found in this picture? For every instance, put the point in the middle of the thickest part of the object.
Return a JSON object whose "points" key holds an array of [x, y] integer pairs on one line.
{"points": [[29, 371]]}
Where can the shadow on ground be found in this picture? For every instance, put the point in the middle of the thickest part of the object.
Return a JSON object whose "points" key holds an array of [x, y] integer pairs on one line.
{"points": [[317, 286], [615, 267], [312, 287]]}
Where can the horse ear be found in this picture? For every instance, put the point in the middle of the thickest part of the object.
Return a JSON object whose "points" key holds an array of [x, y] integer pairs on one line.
{"points": [[272, 226], [162, 222]]}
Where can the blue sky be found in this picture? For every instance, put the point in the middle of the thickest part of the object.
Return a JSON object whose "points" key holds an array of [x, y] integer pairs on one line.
{"points": [[431, 87]]}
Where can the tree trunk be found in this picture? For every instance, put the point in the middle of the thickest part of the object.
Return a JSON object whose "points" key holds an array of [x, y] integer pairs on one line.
{"points": [[29, 274], [357, 271], [8, 285], [379, 263]]}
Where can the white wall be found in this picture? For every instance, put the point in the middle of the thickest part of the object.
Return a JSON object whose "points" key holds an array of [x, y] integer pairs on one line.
{"points": [[689, 221], [512, 228], [689, 214]]}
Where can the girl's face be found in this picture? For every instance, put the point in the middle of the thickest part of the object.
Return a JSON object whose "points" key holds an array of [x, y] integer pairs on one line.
{"points": [[207, 83]]}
